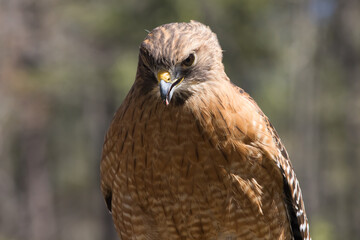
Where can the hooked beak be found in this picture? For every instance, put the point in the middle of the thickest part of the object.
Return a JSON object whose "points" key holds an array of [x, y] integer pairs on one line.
{"points": [[167, 86]]}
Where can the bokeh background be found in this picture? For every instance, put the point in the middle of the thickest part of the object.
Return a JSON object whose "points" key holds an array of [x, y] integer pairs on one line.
{"points": [[65, 67]]}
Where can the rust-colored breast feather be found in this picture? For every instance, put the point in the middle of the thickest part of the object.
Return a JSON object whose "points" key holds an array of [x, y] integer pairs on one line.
{"points": [[202, 171]]}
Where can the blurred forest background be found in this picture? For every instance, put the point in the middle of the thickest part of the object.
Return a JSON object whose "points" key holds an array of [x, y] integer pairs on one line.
{"points": [[65, 67]]}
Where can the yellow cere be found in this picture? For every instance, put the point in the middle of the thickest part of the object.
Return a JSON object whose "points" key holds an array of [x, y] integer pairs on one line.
{"points": [[164, 75]]}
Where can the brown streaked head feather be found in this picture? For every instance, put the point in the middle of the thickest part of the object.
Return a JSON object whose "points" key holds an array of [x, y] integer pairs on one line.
{"points": [[177, 40]]}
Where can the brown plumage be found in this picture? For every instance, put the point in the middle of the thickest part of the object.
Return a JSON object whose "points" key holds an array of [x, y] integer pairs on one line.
{"points": [[189, 155]]}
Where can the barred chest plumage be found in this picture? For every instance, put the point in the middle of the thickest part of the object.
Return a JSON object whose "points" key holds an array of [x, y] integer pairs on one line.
{"points": [[178, 180]]}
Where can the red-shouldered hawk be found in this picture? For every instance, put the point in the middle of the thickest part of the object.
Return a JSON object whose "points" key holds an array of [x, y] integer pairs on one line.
{"points": [[189, 155]]}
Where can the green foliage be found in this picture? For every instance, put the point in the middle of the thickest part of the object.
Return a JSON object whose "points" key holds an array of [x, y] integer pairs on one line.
{"points": [[123, 73], [322, 229]]}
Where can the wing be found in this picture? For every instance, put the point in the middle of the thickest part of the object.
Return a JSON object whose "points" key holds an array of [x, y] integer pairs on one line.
{"points": [[108, 166], [294, 200], [293, 197], [113, 144]]}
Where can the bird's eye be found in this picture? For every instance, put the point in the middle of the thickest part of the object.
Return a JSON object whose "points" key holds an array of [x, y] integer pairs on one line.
{"points": [[189, 60]]}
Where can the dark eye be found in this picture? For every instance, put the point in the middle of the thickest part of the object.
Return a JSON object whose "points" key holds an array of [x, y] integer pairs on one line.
{"points": [[189, 60]]}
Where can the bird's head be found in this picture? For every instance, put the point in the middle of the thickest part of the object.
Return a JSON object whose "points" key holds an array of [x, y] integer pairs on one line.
{"points": [[175, 58]]}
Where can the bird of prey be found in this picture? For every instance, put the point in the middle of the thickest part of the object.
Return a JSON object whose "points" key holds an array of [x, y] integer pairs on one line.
{"points": [[189, 155]]}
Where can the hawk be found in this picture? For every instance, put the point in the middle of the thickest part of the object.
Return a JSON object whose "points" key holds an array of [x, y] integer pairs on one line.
{"points": [[189, 155]]}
